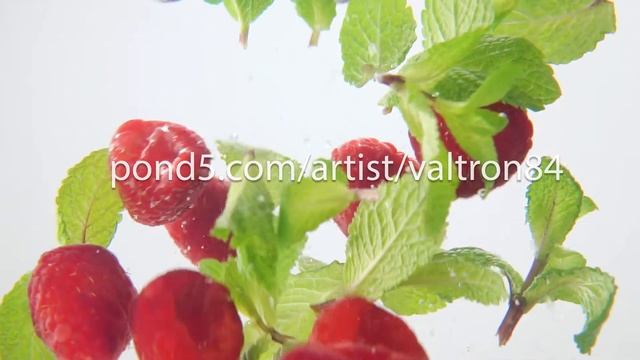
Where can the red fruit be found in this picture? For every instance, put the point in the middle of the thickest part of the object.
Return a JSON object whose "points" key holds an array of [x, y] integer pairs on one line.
{"points": [[164, 196], [512, 144], [183, 315], [314, 352], [191, 230], [344, 352], [367, 170], [357, 321], [80, 300]]}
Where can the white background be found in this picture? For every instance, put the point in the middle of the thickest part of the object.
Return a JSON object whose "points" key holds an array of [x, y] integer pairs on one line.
{"points": [[72, 71]]}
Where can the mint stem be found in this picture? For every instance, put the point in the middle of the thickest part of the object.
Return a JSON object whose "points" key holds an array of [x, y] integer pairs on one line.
{"points": [[315, 36], [518, 304], [244, 35]]}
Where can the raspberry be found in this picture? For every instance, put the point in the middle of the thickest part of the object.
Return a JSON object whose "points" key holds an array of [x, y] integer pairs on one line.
{"points": [[164, 196], [80, 300], [367, 170], [512, 144], [183, 315], [191, 230], [357, 321], [344, 351]]}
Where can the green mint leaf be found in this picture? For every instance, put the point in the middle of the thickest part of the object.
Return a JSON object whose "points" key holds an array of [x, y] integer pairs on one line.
{"points": [[553, 207], [565, 259], [306, 263], [249, 296], [468, 273], [397, 234], [306, 205], [318, 14], [375, 37], [237, 155], [294, 313], [88, 209], [245, 12], [495, 87], [533, 88], [563, 29], [257, 344], [444, 20], [248, 216], [590, 288], [413, 300], [429, 67], [474, 131], [18, 339], [587, 207], [421, 120], [214, 2]]}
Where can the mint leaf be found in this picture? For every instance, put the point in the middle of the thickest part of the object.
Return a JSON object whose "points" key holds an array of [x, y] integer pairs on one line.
{"points": [[565, 259], [553, 208], [590, 288], [563, 29], [375, 37], [533, 88], [306, 263], [392, 237], [413, 300], [587, 207], [245, 12], [429, 67], [443, 20], [214, 2], [318, 14], [421, 120], [294, 312], [88, 209], [306, 205], [18, 339], [474, 131], [248, 215], [249, 296], [275, 165], [468, 273]]}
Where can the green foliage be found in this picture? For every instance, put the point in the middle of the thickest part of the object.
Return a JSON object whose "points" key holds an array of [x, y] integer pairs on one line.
{"points": [[376, 36], [318, 14], [88, 209], [468, 273], [553, 208], [397, 234], [444, 20], [564, 30], [18, 340], [590, 288], [294, 312]]}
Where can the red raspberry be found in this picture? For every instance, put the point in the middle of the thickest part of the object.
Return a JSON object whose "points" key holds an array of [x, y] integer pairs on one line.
{"points": [[162, 197], [512, 144], [357, 321], [80, 300], [345, 351], [183, 315], [367, 170], [191, 230]]}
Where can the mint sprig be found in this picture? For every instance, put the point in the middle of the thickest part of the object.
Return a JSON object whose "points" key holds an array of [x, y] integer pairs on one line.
{"points": [[88, 208], [245, 12]]}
